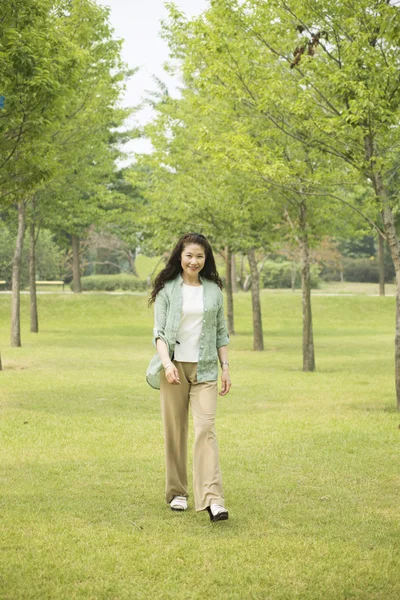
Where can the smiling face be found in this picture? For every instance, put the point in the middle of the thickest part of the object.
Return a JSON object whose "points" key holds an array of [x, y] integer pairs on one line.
{"points": [[193, 258]]}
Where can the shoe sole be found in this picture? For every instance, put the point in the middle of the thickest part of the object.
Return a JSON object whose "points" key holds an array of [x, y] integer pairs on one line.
{"points": [[178, 509]]}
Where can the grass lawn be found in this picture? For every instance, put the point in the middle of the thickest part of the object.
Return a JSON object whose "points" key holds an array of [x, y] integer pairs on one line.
{"points": [[310, 460]]}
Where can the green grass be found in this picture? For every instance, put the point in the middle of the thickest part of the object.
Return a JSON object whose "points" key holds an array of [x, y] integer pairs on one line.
{"points": [[310, 460], [352, 287]]}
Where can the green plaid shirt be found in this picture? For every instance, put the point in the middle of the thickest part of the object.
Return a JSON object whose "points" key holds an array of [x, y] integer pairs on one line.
{"points": [[167, 316]]}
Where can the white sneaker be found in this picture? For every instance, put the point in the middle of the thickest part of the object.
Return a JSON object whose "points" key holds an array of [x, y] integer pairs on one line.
{"points": [[179, 503], [218, 512]]}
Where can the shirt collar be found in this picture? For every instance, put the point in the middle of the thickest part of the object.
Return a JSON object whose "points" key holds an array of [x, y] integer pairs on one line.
{"points": [[180, 279]]}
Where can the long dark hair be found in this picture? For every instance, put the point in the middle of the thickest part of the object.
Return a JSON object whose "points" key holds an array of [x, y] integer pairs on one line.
{"points": [[173, 266]]}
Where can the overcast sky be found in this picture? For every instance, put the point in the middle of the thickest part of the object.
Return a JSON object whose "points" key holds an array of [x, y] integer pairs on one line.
{"points": [[138, 23]]}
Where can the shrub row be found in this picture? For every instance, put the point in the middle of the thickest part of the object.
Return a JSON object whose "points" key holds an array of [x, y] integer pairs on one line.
{"points": [[112, 283], [365, 270], [273, 275], [279, 275]]}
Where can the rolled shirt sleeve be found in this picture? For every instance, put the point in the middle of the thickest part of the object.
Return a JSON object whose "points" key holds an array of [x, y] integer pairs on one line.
{"points": [[222, 331], [160, 317]]}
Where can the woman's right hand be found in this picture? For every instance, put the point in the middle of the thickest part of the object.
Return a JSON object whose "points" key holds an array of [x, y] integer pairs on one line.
{"points": [[172, 375]]}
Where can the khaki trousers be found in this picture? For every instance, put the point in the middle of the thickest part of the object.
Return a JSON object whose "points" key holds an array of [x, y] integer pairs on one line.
{"points": [[175, 400]]}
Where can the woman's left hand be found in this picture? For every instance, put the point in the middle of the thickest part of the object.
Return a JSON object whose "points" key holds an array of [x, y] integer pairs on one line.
{"points": [[226, 382]]}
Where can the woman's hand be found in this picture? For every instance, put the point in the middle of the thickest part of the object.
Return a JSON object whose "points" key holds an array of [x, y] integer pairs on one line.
{"points": [[172, 375], [226, 382]]}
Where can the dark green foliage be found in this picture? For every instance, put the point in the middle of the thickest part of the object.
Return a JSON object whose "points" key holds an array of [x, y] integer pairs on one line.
{"points": [[358, 247], [365, 270], [49, 257], [279, 275], [112, 283]]}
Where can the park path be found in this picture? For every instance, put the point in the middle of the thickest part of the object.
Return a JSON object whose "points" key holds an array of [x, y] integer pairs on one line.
{"points": [[296, 293]]}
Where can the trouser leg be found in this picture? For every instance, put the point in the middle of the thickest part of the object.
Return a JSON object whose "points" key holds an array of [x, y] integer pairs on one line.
{"points": [[207, 479], [174, 408]]}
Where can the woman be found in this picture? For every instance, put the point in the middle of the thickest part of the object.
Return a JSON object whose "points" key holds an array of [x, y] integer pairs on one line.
{"points": [[190, 336]]}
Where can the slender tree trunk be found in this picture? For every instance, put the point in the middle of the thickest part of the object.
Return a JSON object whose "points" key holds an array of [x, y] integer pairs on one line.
{"points": [[1, 365], [131, 254], [242, 275], [393, 241], [293, 276], [308, 338], [98, 266], [76, 265], [234, 275], [16, 279], [229, 292], [32, 279], [381, 259], [258, 336], [394, 245]]}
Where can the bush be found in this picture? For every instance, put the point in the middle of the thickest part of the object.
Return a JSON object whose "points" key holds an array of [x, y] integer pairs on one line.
{"points": [[279, 275], [49, 257], [111, 283], [365, 270]]}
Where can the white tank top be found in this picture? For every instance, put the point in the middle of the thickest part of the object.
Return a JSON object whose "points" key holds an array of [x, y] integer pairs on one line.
{"points": [[191, 324]]}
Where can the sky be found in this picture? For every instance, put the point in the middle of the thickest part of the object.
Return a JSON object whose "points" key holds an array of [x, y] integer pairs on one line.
{"points": [[138, 23]]}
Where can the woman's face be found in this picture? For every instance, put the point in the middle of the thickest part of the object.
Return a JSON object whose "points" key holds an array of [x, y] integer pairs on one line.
{"points": [[193, 258]]}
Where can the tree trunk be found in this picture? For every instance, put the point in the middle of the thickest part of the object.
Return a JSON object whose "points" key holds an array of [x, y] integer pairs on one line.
{"points": [[234, 275], [32, 279], [76, 265], [394, 245], [258, 336], [229, 292], [131, 254], [1, 366], [98, 265], [308, 338], [293, 276], [381, 259], [242, 274], [16, 279]]}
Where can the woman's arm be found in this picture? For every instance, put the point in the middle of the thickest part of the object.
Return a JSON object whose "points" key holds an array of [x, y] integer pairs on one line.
{"points": [[225, 378], [160, 342], [171, 372], [160, 316]]}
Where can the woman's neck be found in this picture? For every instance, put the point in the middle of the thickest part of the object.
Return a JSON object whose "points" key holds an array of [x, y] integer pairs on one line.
{"points": [[195, 281]]}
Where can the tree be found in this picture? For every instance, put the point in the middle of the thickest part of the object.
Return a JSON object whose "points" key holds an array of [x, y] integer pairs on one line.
{"points": [[190, 189], [240, 127], [63, 76], [123, 220], [345, 63], [325, 76]]}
